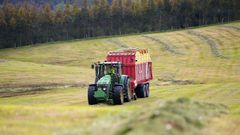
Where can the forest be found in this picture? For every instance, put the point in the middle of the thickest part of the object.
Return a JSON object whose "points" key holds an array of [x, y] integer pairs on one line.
{"points": [[52, 3], [27, 23]]}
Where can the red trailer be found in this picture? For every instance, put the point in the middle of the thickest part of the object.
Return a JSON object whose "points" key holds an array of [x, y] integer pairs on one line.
{"points": [[137, 65]]}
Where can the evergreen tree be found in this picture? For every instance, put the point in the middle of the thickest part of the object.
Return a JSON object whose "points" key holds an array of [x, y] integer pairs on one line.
{"points": [[2, 18]]}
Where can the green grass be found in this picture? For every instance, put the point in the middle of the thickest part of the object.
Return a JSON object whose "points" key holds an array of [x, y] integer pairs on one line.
{"points": [[60, 110], [172, 117], [19, 74], [206, 78]]}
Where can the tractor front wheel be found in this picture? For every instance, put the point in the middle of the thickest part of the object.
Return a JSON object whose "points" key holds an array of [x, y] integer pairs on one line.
{"points": [[91, 99], [118, 97]]}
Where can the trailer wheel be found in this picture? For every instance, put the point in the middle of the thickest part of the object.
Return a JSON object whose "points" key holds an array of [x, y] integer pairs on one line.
{"points": [[118, 97], [140, 92], [91, 99], [128, 91], [147, 90]]}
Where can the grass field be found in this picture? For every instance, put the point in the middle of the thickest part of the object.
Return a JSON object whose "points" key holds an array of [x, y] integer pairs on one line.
{"points": [[43, 87]]}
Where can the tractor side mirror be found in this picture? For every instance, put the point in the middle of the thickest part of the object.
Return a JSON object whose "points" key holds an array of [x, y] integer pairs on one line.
{"points": [[92, 66]]}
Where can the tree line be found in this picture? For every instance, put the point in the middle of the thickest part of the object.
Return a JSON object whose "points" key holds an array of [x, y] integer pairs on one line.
{"points": [[26, 23], [52, 3]]}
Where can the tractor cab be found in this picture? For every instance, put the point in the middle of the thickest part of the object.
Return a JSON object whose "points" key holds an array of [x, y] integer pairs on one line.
{"points": [[114, 69]]}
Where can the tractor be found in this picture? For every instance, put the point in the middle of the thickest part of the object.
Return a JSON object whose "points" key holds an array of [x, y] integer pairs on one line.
{"points": [[111, 86]]}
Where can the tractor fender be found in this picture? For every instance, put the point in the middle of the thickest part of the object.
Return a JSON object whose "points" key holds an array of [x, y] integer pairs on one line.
{"points": [[93, 85]]}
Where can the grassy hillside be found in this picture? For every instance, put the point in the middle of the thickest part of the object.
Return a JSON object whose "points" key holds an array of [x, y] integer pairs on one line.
{"points": [[200, 64]]}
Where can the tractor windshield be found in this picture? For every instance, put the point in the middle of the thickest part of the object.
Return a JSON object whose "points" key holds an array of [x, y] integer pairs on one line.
{"points": [[110, 69]]}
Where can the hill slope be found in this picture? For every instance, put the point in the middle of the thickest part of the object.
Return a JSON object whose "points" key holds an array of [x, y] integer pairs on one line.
{"points": [[201, 64], [209, 54]]}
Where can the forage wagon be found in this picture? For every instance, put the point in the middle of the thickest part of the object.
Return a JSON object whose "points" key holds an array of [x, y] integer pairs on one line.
{"points": [[124, 76]]}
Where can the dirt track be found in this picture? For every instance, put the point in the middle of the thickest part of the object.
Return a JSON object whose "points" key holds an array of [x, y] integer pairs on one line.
{"points": [[10, 91], [2, 61]]}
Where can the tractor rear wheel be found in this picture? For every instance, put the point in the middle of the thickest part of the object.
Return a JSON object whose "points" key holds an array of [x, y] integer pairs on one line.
{"points": [[91, 99], [128, 92], [118, 97]]}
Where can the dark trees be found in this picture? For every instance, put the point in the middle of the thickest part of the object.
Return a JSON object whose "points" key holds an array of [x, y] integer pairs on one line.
{"points": [[26, 23]]}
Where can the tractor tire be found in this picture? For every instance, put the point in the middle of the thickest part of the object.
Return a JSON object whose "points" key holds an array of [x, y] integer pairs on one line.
{"points": [[118, 97], [140, 92], [127, 91], [91, 99], [147, 90]]}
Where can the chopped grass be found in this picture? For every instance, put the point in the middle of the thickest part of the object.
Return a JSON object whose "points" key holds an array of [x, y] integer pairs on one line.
{"points": [[172, 117]]}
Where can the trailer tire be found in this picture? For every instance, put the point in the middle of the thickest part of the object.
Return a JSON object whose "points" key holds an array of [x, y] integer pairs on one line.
{"points": [[147, 90], [118, 97], [127, 90], [140, 92], [91, 99]]}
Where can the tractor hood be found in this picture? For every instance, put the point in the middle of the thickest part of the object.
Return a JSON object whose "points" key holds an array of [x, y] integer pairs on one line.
{"points": [[102, 88], [105, 80]]}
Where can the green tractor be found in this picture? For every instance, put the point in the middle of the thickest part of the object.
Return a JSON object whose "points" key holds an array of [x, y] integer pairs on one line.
{"points": [[111, 86]]}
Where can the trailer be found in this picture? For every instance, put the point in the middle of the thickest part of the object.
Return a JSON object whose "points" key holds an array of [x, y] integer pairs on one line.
{"points": [[123, 76], [137, 65]]}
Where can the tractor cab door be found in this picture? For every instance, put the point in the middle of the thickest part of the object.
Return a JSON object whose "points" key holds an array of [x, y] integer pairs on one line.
{"points": [[99, 70]]}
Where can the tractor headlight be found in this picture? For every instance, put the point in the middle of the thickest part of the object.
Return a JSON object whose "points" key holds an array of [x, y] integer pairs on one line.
{"points": [[104, 88]]}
